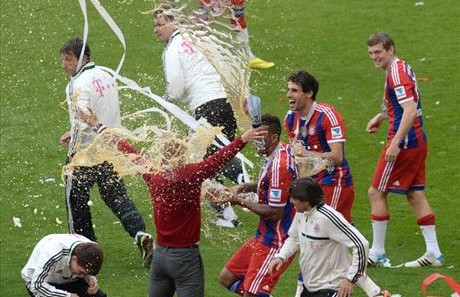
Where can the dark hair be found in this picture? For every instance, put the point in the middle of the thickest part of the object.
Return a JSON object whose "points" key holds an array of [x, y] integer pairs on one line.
{"points": [[273, 123], [74, 46], [381, 37], [306, 189], [306, 80], [89, 256]]}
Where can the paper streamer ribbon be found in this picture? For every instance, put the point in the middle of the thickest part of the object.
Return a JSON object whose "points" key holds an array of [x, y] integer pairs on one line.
{"points": [[130, 84], [449, 280]]}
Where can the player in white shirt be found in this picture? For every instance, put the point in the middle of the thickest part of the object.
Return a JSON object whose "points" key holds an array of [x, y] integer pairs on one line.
{"points": [[192, 80], [92, 88], [324, 238], [64, 265]]}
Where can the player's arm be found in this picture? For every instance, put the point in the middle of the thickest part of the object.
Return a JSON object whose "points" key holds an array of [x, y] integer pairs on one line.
{"points": [[344, 233], [409, 114], [336, 153], [263, 210]]}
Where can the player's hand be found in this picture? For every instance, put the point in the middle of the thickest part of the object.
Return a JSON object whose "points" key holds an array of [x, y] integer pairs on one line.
{"points": [[255, 134], [392, 151], [345, 288], [299, 149], [374, 124], [93, 287], [74, 295], [275, 265], [87, 116], [65, 139]]}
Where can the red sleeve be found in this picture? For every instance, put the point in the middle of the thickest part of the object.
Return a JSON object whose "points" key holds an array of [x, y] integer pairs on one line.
{"points": [[289, 133], [333, 126], [209, 166], [125, 147]]}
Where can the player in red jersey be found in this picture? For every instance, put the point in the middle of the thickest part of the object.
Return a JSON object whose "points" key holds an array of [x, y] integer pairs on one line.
{"points": [[238, 22], [318, 129], [401, 167], [246, 273]]}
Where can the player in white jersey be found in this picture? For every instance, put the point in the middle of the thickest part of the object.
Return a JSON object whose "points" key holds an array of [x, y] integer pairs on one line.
{"points": [[191, 79], [324, 238], [63, 265], [92, 88]]}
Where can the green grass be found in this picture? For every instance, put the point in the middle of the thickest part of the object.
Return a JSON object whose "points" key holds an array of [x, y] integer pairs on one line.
{"points": [[326, 37]]}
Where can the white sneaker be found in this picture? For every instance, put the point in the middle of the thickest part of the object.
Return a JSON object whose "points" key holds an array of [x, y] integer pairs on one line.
{"points": [[427, 259], [379, 260]]}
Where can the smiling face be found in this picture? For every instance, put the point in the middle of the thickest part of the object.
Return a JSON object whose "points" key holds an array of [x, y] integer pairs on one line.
{"points": [[382, 57], [299, 100]]}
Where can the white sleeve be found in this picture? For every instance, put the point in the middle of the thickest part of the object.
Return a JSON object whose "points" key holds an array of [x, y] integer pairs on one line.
{"points": [[291, 244], [346, 234], [174, 74]]}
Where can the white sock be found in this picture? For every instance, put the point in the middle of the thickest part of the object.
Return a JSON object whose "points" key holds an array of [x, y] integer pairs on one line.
{"points": [[229, 214], [368, 286], [379, 229], [431, 241]]}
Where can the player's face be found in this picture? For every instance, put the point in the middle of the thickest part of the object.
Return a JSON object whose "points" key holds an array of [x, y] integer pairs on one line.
{"points": [[163, 28], [300, 206], [76, 269], [298, 100], [382, 58], [69, 63]]}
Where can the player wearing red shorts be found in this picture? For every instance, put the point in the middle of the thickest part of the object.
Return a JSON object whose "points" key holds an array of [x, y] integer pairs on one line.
{"points": [[318, 129], [401, 167], [246, 273], [238, 22]]}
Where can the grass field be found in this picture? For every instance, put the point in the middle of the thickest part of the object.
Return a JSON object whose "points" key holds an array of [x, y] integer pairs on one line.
{"points": [[326, 37]]}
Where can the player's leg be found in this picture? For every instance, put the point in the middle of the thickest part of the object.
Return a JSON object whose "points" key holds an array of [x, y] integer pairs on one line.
{"points": [[423, 212], [233, 274], [115, 196], [379, 210], [161, 282], [258, 282], [187, 271], [242, 34], [426, 221], [77, 190]]}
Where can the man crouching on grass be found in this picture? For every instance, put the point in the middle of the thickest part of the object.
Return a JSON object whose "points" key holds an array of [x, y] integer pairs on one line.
{"points": [[63, 264]]}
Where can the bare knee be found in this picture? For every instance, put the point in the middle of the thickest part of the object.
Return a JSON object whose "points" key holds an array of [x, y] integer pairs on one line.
{"points": [[227, 277], [375, 195]]}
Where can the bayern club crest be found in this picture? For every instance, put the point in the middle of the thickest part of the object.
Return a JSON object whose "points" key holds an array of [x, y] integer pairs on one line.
{"points": [[311, 130], [316, 228]]}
